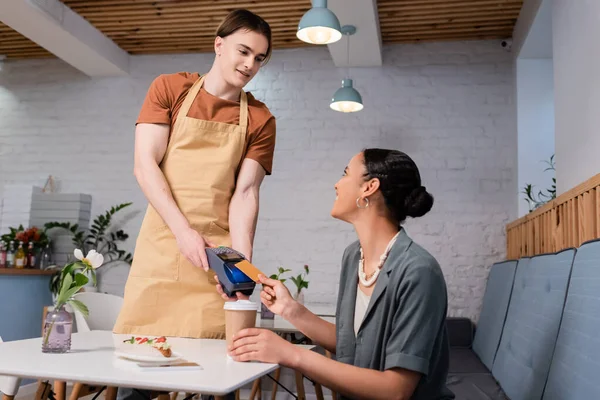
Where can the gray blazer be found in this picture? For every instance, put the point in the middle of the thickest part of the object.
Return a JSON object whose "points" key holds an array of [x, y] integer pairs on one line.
{"points": [[405, 323]]}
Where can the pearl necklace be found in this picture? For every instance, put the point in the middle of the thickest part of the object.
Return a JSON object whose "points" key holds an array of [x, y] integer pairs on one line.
{"points": [[362, 276]]}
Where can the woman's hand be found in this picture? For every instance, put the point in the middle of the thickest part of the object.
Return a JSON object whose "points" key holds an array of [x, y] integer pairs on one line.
{"points": [[238, 295], [263, 345], [276, 296]]}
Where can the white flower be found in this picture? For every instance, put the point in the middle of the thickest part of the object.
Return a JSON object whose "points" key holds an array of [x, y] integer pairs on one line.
{"points": [[92, 260]]}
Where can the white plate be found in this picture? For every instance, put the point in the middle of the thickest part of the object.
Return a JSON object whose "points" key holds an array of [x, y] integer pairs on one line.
{"points": [[148, 358]]}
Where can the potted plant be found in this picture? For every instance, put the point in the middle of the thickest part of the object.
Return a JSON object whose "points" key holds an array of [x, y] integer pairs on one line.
{"points": [[301, 283], [58, 324], [99, 238]]}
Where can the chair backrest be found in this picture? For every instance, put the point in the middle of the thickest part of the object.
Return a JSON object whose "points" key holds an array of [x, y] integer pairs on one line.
{"points": [[575, 370], [8, 384], [104, 310], [531, 328], [493, 313]]}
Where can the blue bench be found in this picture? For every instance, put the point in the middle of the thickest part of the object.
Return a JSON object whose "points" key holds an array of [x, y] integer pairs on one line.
{"points": [[538, 335]]}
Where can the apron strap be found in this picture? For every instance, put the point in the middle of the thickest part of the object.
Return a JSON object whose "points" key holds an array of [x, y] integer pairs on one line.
{"points": [[189, 99], [243, 111]]}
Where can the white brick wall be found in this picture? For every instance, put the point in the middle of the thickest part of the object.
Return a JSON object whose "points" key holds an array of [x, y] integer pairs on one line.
{"points": [[448, 105]]}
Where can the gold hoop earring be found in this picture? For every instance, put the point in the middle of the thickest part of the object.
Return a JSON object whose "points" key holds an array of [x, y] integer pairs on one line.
{"points": [[366, 202]]}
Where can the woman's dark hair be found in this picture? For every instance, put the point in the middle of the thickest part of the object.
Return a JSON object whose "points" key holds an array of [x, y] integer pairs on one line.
{"points": [[400, 183], [247, 20]]}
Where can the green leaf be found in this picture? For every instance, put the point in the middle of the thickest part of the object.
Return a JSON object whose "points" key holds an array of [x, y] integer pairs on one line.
{"points": [[63, 298], [81, 279], [66, 284], [79, 306]]}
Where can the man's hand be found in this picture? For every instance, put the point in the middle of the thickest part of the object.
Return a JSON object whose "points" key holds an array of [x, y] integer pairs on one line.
{"points": [[238, 295], [193, 246]]}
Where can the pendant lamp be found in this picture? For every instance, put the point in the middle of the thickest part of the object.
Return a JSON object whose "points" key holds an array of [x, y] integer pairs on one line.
{"points": [[319, 25], [347, 99]]}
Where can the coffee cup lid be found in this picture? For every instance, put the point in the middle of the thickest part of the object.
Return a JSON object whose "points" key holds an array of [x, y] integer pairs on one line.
{"points": [[240, 305]]}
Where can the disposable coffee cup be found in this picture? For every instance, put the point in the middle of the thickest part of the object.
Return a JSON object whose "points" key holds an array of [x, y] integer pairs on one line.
{"points": [[239, 315]]}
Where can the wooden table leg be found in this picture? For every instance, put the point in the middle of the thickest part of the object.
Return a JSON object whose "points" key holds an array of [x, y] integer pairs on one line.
{"points": [[274, 390], [300, 386], [60, 390], [111, 393]]}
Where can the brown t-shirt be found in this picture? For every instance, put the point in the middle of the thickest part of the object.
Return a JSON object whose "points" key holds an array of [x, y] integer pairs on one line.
{"points": [[167, 93]]}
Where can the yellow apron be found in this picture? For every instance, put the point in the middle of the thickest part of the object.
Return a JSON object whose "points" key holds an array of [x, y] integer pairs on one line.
{"points": [[165, 294]]}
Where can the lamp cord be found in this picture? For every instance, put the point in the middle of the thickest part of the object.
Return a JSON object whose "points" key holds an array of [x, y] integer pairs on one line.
{"points": [[347, 55]]}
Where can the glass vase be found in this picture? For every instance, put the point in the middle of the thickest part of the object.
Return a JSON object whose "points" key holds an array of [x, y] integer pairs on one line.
{"points": [[58, 326], [300, 297], [265, 313]]}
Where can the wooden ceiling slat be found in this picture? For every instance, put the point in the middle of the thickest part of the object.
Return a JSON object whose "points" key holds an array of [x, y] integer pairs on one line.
{"points": [[437, 39], [392, 5], [442, 32], [441, 20], [257, 7], [433, 35], [443, 28], [448, 13], [199, 10]]}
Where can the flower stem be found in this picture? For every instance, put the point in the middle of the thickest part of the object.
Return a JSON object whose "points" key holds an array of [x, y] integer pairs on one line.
{"points": [[48, 333]]}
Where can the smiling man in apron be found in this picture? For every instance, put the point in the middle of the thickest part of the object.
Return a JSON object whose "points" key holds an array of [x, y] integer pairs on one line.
{"points": [[202, 149]]}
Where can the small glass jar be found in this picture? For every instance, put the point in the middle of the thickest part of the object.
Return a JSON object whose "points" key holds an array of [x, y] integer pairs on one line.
{"points": [[58, 326], [265, 313]]}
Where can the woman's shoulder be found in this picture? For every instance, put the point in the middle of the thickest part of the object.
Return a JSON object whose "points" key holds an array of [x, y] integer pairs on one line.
{"points": [[352, 249], [417, 261]]}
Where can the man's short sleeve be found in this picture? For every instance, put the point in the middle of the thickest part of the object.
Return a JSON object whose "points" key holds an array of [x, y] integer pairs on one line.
{"points": [[156, 108], [263, 145], [417, 320]]}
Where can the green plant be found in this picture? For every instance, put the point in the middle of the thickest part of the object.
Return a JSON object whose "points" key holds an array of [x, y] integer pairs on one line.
{"points": [[98, 238], [542, 197], [72, 278], [280, 271], [300, 281]]}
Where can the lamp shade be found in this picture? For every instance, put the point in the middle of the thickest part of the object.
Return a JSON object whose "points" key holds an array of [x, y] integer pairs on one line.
{"points": [[319, 25], [346, 99]]}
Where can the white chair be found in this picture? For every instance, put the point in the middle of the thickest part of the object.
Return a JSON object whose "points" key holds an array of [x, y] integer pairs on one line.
{"points": [[104, 310], [9, 385]]}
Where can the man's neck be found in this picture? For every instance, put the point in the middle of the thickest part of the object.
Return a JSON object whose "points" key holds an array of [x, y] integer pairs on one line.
{"points": [[217, 86]]}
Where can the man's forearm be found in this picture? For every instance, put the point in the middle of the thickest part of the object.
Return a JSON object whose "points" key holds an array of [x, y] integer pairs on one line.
{"points": [[243, 213], [154, 185]]}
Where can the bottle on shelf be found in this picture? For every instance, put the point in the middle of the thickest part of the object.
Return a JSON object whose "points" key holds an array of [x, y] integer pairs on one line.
{"points": [[30, 263], [20, 257], [2, 255], [10, 255], [46, 257]]}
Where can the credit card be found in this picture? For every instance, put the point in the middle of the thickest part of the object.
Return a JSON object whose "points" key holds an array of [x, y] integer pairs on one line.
{"points": [[249, 270]]}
